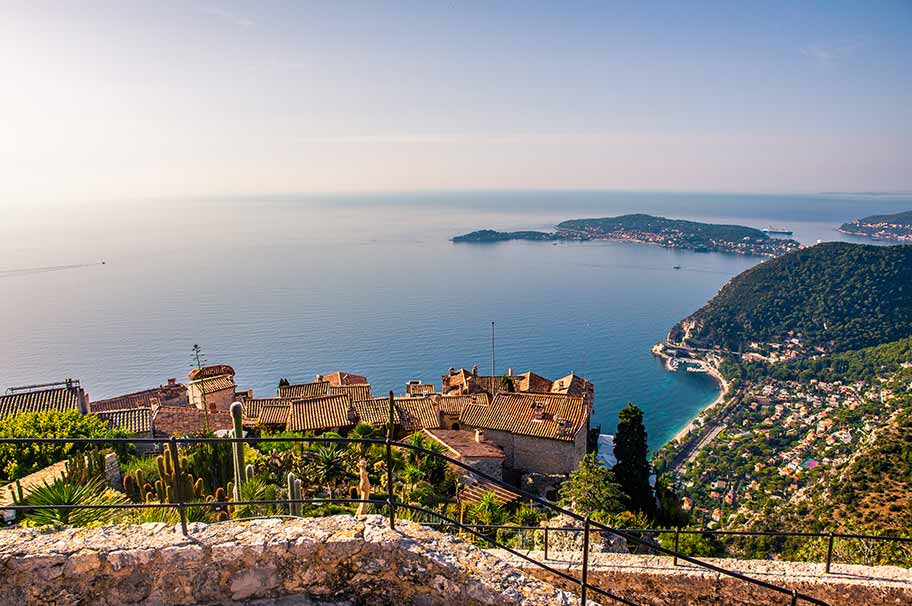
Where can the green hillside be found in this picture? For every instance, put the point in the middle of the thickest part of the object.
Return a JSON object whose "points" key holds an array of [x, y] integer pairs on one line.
{"points": [[837, 295]]}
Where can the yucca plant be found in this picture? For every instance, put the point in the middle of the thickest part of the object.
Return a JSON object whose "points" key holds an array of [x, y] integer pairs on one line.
{"points": [[63, 492]]}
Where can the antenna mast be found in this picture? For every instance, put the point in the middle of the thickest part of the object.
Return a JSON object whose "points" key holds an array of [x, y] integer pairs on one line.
{"points": [[493, 374]]}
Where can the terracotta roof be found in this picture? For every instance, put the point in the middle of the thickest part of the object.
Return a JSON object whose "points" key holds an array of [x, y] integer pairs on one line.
{"points": [[133, 420], [420, 389], [186, 420], [274, 415], [252, 408], [529, 381], [453, 405], [165, 395], [214, 384], [410, 413], [572, 385], [463, 444], [316, 389], [345, 378], [417, 413], [210, 371], [544, 415], [361, 391], [374, 411], [318, 414], [475, 491], [61, 399]]}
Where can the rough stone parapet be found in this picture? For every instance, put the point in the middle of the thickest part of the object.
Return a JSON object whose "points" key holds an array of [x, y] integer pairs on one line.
{"points": [[337, 559], [655, 580]]}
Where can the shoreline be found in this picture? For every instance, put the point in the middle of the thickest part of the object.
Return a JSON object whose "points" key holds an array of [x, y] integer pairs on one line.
{"points": [[724, 387]]}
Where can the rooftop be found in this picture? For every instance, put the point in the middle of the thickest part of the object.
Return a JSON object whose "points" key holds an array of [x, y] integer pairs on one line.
{"points": [[543, 415], [462, 442]]}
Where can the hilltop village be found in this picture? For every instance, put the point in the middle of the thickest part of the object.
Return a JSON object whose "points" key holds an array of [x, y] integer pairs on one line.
{"points": [[522, 428]]}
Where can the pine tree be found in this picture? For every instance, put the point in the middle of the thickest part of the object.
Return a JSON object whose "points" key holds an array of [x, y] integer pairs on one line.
{"points": [[632, 469]]}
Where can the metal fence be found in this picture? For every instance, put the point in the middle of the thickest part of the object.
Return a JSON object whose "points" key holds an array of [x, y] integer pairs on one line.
{"points": [[391, 504]]}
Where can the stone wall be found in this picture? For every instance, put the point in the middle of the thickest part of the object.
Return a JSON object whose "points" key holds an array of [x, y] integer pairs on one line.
{"points": [[655, 581], [539, 455], [339, 559]]}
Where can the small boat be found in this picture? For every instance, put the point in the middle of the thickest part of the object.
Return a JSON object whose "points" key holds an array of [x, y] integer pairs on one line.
{"points": [[782, 231], [677, 267]]}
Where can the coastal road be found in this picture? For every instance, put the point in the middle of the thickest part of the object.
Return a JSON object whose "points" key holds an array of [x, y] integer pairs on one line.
{"points": [[705, 441]]}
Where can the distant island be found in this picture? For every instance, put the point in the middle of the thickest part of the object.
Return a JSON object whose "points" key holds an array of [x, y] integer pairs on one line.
{"points": [[669, 233], [896, 227]]}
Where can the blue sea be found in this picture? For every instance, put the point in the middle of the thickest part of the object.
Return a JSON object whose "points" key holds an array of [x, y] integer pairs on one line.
{"points": [[292, 286]]}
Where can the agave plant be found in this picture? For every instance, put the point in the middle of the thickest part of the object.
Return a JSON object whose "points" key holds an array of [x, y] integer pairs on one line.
{"points": [[63, 492]]}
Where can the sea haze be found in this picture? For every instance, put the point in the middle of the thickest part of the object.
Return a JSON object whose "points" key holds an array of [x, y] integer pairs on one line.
{"points": [[292, 286]]}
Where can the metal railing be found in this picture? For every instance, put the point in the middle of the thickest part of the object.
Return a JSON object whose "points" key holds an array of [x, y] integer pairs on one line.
{"points": [[391, 504]]}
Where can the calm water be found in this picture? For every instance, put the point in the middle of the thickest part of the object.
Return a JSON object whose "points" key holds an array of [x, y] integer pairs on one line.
{"points": [[293, 286]]}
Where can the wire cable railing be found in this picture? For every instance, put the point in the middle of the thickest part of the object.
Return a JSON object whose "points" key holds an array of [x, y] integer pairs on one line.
{"points": [[391, 503]]}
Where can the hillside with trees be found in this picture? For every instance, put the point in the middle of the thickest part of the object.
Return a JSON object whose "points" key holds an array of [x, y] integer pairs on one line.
{"points": [[897, 226], [836, 296]]}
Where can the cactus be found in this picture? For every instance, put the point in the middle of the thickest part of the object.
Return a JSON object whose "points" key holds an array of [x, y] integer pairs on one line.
{"points": [[249, 472], [222, 516], [237, 448]]}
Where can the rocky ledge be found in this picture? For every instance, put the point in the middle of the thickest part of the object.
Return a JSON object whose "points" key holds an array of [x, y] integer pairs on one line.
{"points": [[337, 559]]}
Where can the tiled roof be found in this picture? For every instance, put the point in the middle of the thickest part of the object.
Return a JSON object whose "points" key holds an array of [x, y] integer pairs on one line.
{"points": [[417, 413], [420, 389], [274, 415], [529, 381], [463, 443], [361, 391], [211, 371], [320, 414], [165, 395], [133, 420], [572, 385], [186, 420], [316, 389], [475, 491], [61, 399], [410, 413], [253, 407], [345, 378], [453, 405], [374, 411], [214, 384], [543, 415]]}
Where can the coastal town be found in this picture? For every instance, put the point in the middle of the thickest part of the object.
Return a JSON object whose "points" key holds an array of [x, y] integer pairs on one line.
{"points": [[523, 428], [895, 228]]}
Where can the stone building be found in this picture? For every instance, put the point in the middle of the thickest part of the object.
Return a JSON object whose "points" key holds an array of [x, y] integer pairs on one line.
{"points": [[136, 422], [63, 396], [464, 382], [542, 433], [213, 385], [472, 449], [180, 421]]}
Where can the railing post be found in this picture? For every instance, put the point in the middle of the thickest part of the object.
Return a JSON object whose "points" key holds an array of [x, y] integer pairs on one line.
{"points": [[829, 559], [677, 535], [177, 474], [794, 597], [585, 577], [546, 539], [390, 496]]}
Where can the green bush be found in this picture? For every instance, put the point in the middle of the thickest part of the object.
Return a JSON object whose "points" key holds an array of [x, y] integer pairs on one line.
{"points": [[19, 460]]}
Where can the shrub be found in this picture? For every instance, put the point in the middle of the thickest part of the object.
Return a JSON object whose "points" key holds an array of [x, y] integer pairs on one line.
{"points": [[18, 460]]}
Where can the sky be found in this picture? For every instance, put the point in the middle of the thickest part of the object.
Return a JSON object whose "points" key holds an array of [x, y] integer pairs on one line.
{"points": [[125, 100]]}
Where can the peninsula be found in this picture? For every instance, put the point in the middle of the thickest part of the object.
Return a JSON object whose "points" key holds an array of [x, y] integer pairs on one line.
{"points": [[897, 226], [648, 229]]}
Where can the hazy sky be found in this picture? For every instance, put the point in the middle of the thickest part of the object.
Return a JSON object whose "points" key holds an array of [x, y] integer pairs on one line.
{"points": [[130, 99]]}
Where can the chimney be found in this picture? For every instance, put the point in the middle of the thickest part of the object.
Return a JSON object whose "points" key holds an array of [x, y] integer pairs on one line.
{"points": [[509, 372], [319, 378], [172, 382], [479, 435], [452, 371], [474, 370]]}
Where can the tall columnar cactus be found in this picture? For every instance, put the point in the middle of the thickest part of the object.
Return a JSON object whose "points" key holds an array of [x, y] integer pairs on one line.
{"points": [[237, 448], [294, 493]]}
